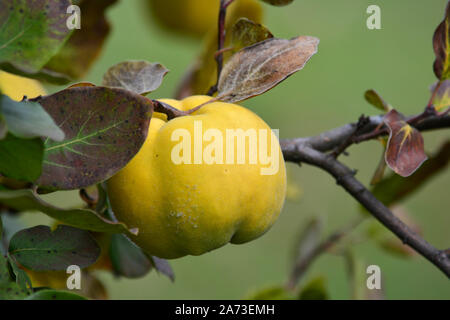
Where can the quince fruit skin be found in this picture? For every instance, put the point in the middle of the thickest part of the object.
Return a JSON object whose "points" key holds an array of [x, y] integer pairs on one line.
{"points": [[190, 209], [16, 87], [198, 17]]}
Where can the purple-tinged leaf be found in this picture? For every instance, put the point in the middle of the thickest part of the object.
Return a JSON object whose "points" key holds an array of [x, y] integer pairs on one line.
{"points": [[441, 45], [163, 266], [393, 188], [405, 151], [104, 128]]}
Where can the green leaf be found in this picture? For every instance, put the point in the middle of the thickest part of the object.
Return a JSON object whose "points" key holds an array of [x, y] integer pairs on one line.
{"points": [[31, 32], [40, 249], [141, 77], [25, 200], [54, 295], [22, 278], [441, 45], [278, 3], [21, 159], [78, 54], [246, 33], [127, 258], [104, 127], [376, 100], [28, 119], [9, 289], [12, 291], [271, 293], [315, 289]]}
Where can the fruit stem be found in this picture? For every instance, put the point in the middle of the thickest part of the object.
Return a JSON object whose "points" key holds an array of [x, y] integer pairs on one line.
{"points": [[221, 41], [168, 110]]}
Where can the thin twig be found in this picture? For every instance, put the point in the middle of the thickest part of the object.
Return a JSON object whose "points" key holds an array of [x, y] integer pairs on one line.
{"points": [[303, 265]]}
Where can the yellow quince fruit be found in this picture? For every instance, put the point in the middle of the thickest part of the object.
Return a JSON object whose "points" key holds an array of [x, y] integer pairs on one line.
{"points": [[198, 17], [16, 87], [202, 180]]}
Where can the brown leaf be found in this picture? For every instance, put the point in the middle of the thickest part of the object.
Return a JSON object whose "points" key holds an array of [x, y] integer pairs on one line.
{"points": [[258, 68], [441, 46], [405, 151], [85, 44], [141, 77]]}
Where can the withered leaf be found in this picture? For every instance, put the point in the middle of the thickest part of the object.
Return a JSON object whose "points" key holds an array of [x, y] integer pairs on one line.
{"points": [[246, 33], [376, 100], [258, 68], [441, 46], [141, 77], [278, 3], [405, 151]]}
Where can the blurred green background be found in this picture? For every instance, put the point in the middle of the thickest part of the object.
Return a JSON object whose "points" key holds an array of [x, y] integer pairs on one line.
{"points": [[396, 61]]}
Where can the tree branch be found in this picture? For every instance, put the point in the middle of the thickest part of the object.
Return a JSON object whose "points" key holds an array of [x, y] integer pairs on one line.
{"points": [[332, 139], [312, 150]]}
